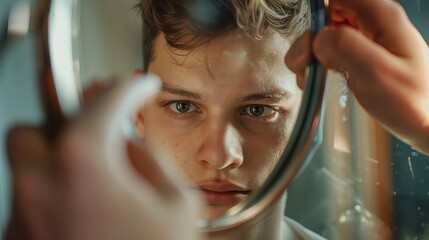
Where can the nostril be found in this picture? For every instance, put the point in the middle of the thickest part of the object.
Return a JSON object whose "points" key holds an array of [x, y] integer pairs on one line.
{"points": [[230, 162], [233, 165], [205, 163], [221, 147]]}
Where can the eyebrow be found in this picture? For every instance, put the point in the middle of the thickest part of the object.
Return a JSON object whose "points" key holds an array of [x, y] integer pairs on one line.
{"points": [[179, 91], [272, 96]]}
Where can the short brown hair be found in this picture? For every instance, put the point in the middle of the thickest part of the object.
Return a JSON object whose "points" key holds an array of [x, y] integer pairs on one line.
{"points": [[187, 24]]}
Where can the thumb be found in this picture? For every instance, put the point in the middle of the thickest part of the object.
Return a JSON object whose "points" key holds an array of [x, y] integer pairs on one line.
{"points": [[299, 56]]}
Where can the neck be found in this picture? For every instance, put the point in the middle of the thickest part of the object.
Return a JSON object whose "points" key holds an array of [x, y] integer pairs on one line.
{"points": [[268, 226]]}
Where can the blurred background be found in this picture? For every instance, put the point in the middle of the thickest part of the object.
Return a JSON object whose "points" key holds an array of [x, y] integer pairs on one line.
{"points": [[19, 96]]}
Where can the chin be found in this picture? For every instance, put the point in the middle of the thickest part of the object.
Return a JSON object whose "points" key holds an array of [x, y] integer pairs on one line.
{"points": [[211, 212]]}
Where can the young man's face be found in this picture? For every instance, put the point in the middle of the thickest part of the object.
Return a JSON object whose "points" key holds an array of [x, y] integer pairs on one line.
{"points": [[224, 115]]}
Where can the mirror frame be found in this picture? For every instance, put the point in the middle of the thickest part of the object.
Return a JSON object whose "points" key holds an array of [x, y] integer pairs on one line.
{"points": [[63, 28]]}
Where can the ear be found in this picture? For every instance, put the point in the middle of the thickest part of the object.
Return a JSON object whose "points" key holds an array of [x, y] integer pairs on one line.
{"points": [[139, 117], [139, 122]]}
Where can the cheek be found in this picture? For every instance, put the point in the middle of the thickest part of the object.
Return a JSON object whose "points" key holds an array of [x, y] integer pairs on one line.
{"points": [[297, 102], [272, 147], [267, 150], [263, 152], [260, 160], [167, 140]]}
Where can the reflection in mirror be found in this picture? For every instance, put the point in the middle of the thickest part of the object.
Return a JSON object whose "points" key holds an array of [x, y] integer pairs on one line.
{"points": [[228, 103], [226, 117]]}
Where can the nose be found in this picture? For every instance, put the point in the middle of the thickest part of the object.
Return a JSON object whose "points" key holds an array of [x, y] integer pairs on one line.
{"points": [[221, 147]]}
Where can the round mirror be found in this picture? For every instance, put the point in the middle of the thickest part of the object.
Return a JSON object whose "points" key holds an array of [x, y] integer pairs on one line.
{"points": [[230, 115]]}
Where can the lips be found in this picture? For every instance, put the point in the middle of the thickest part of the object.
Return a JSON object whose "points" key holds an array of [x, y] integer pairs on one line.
{"points": [[223, 193]]}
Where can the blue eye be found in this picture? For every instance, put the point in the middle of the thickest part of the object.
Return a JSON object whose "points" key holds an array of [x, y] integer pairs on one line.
{"points": [[259, 110], [182, 106]]}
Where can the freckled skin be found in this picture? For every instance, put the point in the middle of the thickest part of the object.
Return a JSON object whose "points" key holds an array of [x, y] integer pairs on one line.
{"points": [[217, 139]]}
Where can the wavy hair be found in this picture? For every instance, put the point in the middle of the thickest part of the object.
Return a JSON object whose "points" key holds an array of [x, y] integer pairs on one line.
{"points": [[187, 24]]}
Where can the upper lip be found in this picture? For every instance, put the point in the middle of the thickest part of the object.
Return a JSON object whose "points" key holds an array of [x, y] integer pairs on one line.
{"points": [[221, 186]]}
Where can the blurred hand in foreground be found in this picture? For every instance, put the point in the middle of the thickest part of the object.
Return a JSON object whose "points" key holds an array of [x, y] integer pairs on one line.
{"points": [[94, 182]]}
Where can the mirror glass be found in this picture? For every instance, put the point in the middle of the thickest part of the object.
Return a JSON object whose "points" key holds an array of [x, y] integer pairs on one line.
{"points": [[230, 116]]}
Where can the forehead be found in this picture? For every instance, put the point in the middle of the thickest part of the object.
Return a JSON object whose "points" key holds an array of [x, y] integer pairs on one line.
{"points": [[232, 61]]}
